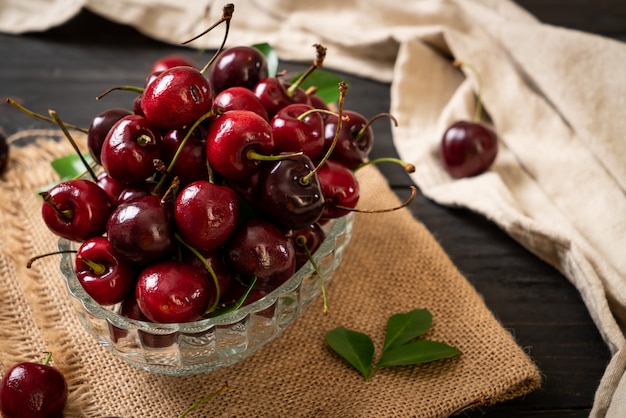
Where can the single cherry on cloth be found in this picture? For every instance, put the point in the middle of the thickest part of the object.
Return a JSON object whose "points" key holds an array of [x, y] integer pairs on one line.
{"points": [[231, 140], [33, 390], [258, 248], [173, 292], [130, 149], [177, 97], [76, 209], [468, 148], [206, 214], [242, 66], [100, 126], [104, 275]]}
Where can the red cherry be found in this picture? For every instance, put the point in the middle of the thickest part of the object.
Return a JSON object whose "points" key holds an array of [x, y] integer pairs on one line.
{"points": [[273, 92], [239, 98], [191, 163], [33, 390], [340, 187], [294, 133], [468, 148], [242, 66], [99, 128], [171, 61], [355, 140], [177, 97]]}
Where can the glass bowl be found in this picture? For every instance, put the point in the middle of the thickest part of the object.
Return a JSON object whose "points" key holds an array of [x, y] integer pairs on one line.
{"points": [[208, 344]]}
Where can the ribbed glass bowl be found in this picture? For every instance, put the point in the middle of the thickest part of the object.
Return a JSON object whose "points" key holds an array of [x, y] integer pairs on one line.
{"points": [[206, 345]]}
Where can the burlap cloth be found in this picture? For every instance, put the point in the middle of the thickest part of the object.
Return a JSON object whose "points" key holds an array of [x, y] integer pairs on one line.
{"points": [[392, 265]]}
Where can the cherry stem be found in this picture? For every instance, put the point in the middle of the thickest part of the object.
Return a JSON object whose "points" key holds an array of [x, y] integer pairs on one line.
{"points": [[478, 111], [301, 241], [253, 155], [125, 88], [208, 267], [171, 190], [227, 14], [30, 262], [318, 62], [343, 89], [46, 359], [59, 122], [361, 132], [408, 167], [97, 268], [403, 204], [204, 400], [67, 214], [315, 110], [42, 117]]}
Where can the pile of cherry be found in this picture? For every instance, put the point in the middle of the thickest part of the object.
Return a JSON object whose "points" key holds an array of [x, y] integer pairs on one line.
{"points": [[212, 188]]}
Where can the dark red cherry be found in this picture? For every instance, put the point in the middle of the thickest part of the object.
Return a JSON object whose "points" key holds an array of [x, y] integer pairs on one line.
{"points": [[99, 128], [178, 97], [468, 148], [171, 61], [355, 140], [274, 94], [239, 98], [191, 163], [294, 132], [308, 238], [242, 66], [111, 187], [340, 188]]}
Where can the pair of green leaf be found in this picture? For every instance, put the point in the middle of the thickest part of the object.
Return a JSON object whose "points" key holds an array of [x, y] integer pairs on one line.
{"points": [[400, 348]]}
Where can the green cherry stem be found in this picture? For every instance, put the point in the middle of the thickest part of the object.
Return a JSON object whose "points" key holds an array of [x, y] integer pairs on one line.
{"points": [[361, 132], [125, 88], [46, 360], [343, 89], [59, 122], [253, 155], [400, 206], [204, 400], [303, 115], [97, 268], [318, 62], [208, 267], [42, 117], [478, 111], [301, 241]]}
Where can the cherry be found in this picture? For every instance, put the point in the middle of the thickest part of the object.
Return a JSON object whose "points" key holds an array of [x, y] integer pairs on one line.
{"points": [[242, 66], [177, 97], [33, 390], [274, 93], [4, 153], [340, 188], [288, 194], [104, 275], [239, 98], [111, 187], [133, 191], [355, 139], [100, 127], [76, 209], [233, 138], [142, 229], [190, 164], [307, 240], [297, 127], [130, 148], [206, 214], [258, 248], [170, 61], [468, 148], [130, 309], [173, 292]]}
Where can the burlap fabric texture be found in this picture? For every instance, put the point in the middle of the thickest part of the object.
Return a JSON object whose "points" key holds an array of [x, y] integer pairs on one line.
{"points": [[392, 265]]}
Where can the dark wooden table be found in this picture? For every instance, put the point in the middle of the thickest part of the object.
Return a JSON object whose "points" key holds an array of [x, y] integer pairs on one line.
{"points": [[66, 67]]}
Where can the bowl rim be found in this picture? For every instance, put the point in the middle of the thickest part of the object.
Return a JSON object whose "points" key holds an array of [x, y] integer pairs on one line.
{"points": [[339, 226]]}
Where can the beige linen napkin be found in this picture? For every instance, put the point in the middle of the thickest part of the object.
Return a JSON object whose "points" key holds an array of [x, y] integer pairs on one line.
{"points": [[555, 96]]}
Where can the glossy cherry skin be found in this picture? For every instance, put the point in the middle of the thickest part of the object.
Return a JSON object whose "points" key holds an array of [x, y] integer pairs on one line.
{"points": [[171, 61], [142, 229], [206, 214], [116, 279], [311, 236], [293, 133], [258, 248], [4, 153], [133, 191], [340, 187], [82, 209], [231, 136], [285, 197], [468, 148], [111, 187], [239, 98], [191, 164], [33, 390], [130, 148], [173, 292], [177, 97], [99, 129], [273, 94], [355, 140], [242, 66]]}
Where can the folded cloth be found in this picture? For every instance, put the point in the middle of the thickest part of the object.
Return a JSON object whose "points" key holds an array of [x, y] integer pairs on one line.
{"points": [[392, 265], [553, 95]]}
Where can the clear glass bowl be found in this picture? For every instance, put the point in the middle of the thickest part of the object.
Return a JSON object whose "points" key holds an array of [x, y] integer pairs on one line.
{"points": [[206, 345]]}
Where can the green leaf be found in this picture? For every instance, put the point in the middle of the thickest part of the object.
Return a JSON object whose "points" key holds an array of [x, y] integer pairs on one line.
{"points": [[70, 166], [270, 56], [404, 327], [326, 82], [416, 352], [355, 347]]}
